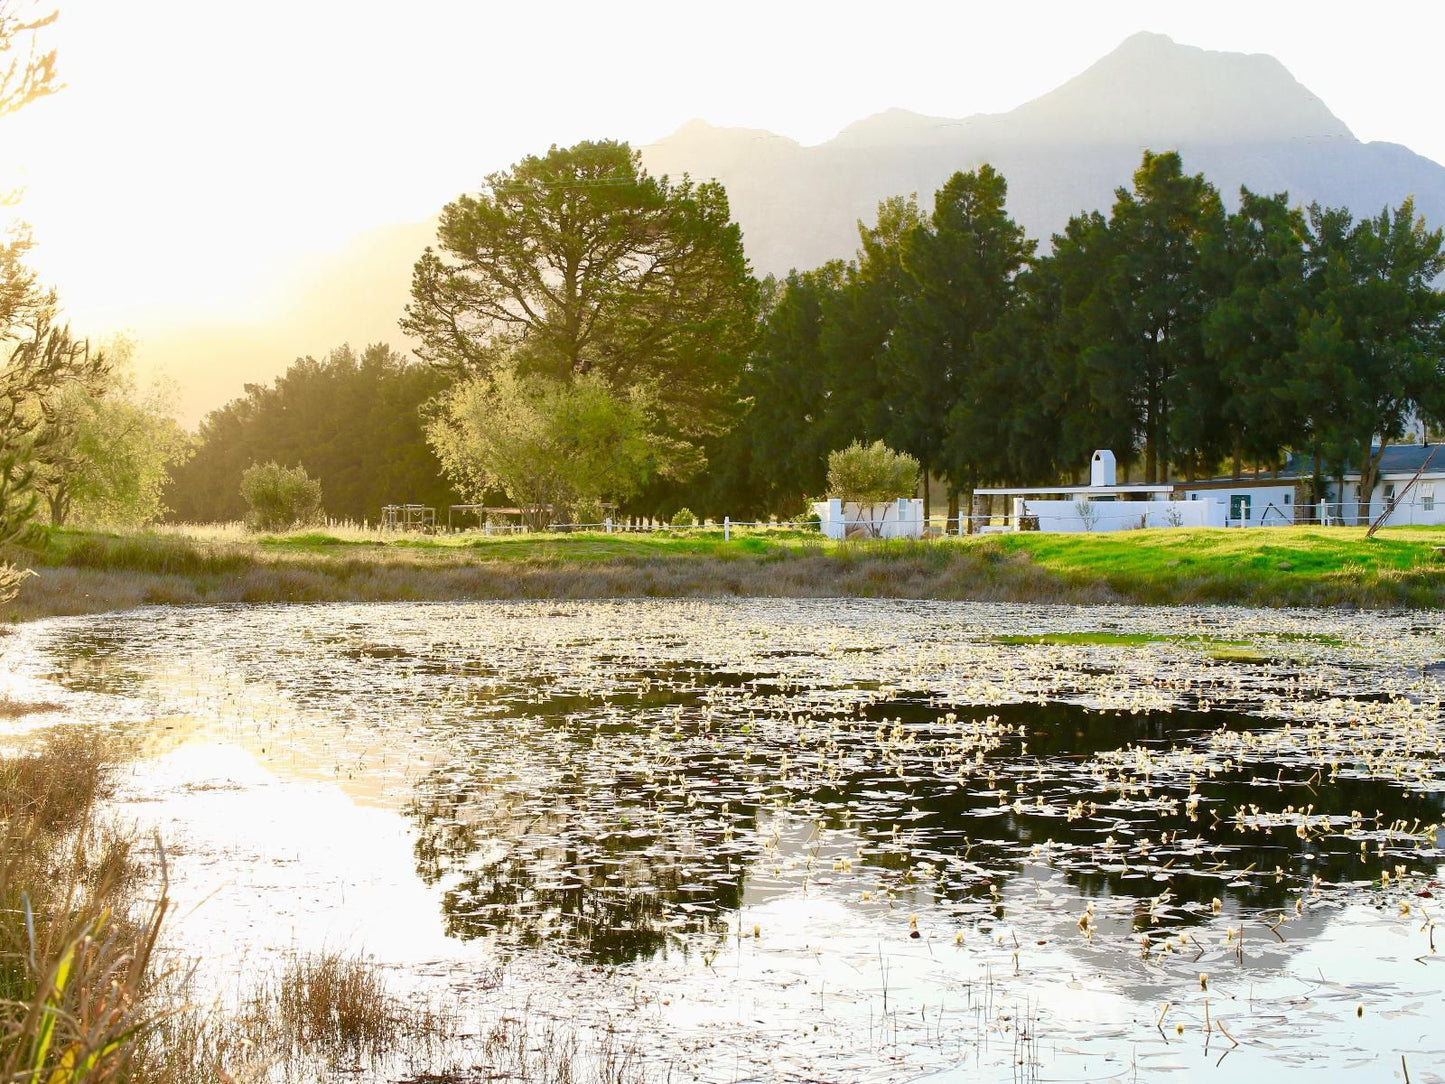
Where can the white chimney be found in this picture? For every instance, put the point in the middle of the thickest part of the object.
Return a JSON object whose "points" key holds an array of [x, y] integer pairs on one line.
{"points": [[1101, 469]]}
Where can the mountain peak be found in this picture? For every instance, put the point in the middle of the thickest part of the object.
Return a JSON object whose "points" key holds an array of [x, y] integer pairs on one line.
{"points": [[1145, 41], [1152, 90]]}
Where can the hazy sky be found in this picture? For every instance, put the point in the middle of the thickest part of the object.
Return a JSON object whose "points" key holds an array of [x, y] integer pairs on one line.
{"points": [[201, 147]]}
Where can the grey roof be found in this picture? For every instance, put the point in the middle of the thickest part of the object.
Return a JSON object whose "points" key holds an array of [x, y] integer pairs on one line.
{"points": [[1398, 459]]}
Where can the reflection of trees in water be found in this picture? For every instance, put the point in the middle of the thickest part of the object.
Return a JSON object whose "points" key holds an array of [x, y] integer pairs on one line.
{"points": [[96, 661], [1205, 857], [610, 872], [622, 840]]}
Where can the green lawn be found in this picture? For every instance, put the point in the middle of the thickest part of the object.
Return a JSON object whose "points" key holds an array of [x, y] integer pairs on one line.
{"points": [[579, 546], [1152, 565]]}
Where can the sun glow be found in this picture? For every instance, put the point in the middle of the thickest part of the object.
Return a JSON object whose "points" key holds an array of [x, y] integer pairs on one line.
{"points": [[201, 159]]}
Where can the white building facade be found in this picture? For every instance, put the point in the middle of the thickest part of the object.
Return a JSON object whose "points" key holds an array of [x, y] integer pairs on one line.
{"points": [[1410, 492]]}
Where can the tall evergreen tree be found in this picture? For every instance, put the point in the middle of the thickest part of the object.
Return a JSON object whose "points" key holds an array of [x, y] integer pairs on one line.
{"points": [[1074, 318], [817, 379], [1251, 335], [785, 384], [1371, 355], [961, 266], [1010, 423], [1141, 324], [859, 321]]}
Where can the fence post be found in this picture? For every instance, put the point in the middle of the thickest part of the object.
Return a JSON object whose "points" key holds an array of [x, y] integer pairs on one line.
{"points": [[607, 525], [727, 528], [1324, 508]]}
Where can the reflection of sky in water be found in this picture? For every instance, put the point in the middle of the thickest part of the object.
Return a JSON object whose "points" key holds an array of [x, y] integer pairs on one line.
{"points": [[639, 785]]}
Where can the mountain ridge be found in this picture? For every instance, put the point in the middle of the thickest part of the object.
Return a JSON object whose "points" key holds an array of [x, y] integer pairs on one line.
{"points": [[1239, 118]]}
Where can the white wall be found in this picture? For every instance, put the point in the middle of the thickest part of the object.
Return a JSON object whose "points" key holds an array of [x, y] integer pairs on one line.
{"points": [[1064, 516], [1269, 505], [1424, 505], [902, 518]]}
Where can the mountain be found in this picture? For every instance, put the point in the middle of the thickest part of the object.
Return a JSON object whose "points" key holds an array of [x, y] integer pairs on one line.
{"points": [[1239, 119]]}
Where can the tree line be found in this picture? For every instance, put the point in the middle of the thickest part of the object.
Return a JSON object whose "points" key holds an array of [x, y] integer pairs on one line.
{"points": [[351, 420], [592, 338], [1189, 339]]}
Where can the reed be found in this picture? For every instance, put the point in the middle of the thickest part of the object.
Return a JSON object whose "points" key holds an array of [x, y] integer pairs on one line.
{"points": [[77, 941], [85, 997]]}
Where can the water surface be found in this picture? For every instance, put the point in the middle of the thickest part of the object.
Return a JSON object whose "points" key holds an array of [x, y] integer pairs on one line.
{"points": [[804, 839]]}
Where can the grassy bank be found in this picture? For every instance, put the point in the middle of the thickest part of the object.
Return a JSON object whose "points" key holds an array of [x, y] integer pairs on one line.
{"points": [[87, 571]]}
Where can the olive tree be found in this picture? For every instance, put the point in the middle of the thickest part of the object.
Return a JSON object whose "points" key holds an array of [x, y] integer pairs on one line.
{"points": [[870, 474], [108, 447]]}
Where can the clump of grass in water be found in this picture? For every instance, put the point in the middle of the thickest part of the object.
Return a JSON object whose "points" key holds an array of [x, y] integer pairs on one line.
{"points": [[333, 1003], [10, 708], [319, 1013]]}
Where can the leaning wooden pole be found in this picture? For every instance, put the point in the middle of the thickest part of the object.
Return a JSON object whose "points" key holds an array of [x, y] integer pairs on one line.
{"points": [[1400, 497]]}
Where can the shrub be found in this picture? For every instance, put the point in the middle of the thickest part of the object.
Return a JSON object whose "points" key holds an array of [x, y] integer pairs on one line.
{"points": [[279, 498], [684, 517]]}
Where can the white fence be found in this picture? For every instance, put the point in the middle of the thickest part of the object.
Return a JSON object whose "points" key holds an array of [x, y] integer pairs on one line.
{"points": [[885, 521], [1423, 511]]}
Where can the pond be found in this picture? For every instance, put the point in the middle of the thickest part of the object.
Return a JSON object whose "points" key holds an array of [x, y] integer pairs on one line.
{"points": [[810, 839]]}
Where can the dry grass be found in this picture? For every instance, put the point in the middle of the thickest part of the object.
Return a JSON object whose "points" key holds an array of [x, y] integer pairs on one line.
{"points": [[319, 1012], [327, 1016], [76, 942], [88, 572], [332, 1003], [98, 573], [10, 708]]}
